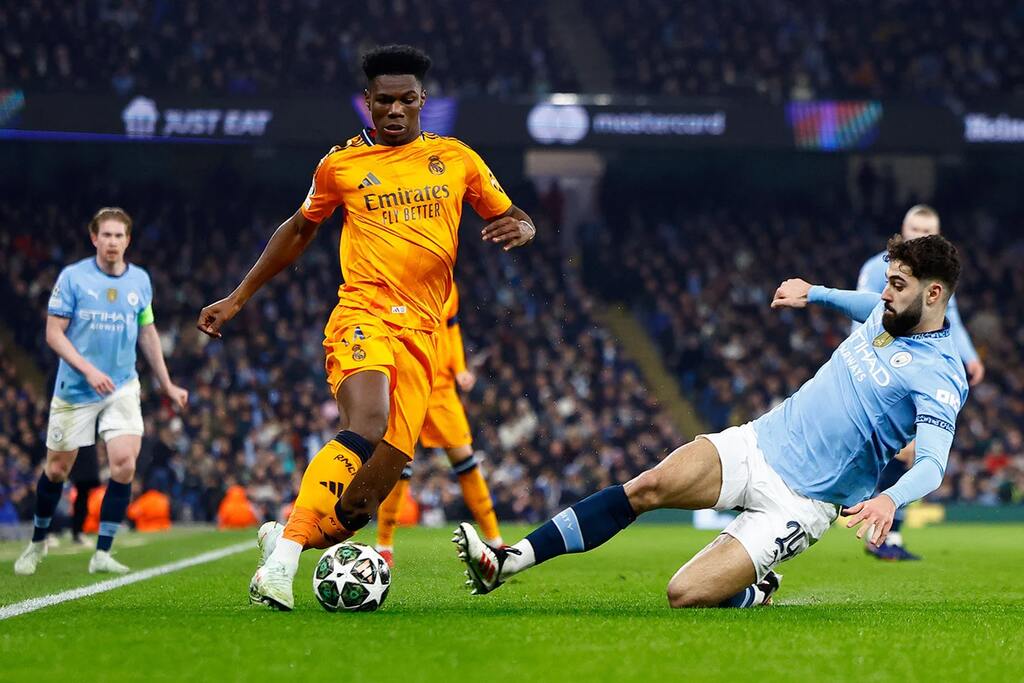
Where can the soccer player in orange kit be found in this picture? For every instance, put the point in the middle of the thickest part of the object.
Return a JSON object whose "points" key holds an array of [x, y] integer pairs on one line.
{"points": [[446, 427], [401, 190]]}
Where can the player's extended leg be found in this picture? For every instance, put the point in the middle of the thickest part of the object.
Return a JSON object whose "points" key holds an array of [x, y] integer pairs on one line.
{"points": [[122, 453], [364, 404], [387, 516], [48, 492], [476, 493], [689, 478]]}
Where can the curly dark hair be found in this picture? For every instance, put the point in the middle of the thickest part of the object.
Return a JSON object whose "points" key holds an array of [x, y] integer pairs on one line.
{"points": [[930, 258], [394, 60]]}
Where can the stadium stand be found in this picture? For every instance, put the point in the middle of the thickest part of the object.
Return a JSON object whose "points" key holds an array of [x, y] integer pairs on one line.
{"points": [[269, 47], [778, 49]]}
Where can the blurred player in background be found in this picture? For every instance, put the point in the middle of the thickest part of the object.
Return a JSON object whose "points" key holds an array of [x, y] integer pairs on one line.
{"points": [[446, 427], [920, 220], [99, 309], [896, 378], [401, 191]]}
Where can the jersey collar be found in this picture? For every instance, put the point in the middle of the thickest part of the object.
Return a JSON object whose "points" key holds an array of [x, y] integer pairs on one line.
{"points": [[934, 334], [96, 265], [369, 136]]}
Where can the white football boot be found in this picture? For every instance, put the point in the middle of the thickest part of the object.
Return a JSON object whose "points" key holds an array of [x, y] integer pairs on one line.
{"points": [[483, 563], [271, 585], [30, 558], [103, 563], [266, 540]]}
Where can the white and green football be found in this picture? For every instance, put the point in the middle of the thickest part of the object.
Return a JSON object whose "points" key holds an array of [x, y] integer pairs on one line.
{"points": [[351, 577]]}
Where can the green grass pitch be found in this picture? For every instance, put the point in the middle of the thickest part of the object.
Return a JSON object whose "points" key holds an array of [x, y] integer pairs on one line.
{"points": [[840, 616]]}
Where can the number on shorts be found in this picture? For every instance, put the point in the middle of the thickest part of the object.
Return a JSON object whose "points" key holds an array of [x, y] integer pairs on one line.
{"points": [[789, 545]]}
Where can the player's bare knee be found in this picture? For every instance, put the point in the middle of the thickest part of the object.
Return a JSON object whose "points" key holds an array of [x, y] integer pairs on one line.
{"points": [[58, 470], [646, 491], [682, 593]]}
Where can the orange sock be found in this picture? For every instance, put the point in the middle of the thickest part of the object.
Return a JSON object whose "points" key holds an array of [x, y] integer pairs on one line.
{"points": [[309, 530], [387, 514], [478, 500]]}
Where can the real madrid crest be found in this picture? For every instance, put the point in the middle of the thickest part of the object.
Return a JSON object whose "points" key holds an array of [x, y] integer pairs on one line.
{"points": [[111, 295], [358, 353], [435, 165], [882, 340]]}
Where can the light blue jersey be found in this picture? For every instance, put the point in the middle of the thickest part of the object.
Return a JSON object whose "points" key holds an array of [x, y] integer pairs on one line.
{"points": [[830, 440], [106, 312], [872, 279]]}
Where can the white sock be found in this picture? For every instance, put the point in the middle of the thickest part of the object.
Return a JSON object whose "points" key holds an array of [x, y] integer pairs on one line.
{"points": [[381, 548], [894, 538], [287, 552], [516, 563], [495, 542]]}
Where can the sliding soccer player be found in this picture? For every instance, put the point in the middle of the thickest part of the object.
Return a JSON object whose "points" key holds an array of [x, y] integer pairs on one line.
{"points": [[895, 379]]}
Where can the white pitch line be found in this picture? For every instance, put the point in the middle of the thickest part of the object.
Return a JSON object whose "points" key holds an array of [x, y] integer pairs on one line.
{"points": [[33, 604]]}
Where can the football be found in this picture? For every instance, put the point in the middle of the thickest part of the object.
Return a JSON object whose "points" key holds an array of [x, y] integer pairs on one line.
{"points": [[351, 577]]}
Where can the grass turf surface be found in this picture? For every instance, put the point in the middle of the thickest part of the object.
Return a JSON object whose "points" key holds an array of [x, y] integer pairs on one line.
{"points": [[601, 616]]}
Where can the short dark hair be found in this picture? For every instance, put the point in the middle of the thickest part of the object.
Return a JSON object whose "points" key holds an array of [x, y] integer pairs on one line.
{"points": [[115, 213], [930, 258], [396, 60]]}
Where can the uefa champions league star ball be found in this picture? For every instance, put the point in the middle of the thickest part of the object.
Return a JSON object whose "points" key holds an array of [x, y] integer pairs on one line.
{"points": [[351, 577]]}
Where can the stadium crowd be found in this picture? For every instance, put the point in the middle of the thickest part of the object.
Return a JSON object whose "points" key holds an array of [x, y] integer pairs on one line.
{"points": [[779, 49], [701, 282], [785, 49], [262, 47], [557, 412]]}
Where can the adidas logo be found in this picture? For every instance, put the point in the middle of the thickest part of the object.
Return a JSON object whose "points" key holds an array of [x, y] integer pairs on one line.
{"points": [[369, 180], [335, 487]]}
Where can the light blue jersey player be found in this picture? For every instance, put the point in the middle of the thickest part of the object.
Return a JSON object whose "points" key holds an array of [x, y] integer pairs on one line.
{"points": [[919, 221], [100, 308], [790, 472]]}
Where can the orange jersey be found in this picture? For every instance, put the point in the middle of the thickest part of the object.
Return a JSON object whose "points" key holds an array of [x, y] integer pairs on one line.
{"points": [[402, 210], [451, 355]]}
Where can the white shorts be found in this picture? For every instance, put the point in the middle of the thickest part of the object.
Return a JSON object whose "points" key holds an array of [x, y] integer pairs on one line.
{"points": [[775, 522], [73, 425]]}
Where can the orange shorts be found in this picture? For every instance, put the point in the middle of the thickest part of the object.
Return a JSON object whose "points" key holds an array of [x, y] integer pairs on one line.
{"points": [[356, 341], [446, 425]]}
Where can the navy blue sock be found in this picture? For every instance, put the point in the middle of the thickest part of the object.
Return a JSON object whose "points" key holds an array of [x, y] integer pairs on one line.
{"points": [[745, 598], [584, 526], [47, 498], [355, 443], [115, 504]]}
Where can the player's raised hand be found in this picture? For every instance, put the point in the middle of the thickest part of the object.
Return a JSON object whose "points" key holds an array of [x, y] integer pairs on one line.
{"points": [[466, 380], [876, 514], [509, 231], [99, 381], [791, 294], [975, 372], [177, 395], [213, 317]]}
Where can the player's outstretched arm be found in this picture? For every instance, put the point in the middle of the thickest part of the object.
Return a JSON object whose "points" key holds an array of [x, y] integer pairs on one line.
{"points": [[797, 293], [512, 229], [149, 342], [57, 339], [287, 243]]}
